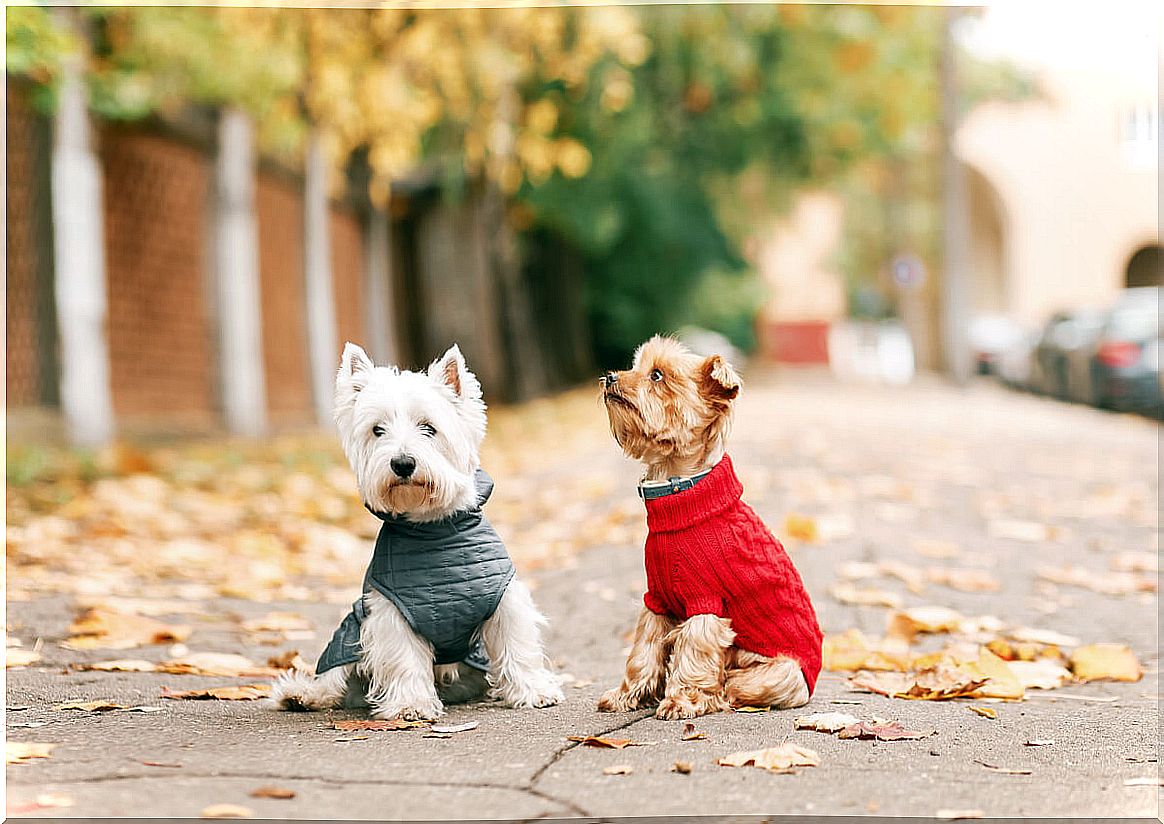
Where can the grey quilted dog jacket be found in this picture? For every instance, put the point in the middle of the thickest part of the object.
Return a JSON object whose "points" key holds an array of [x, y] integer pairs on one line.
{"points": [[446, 577]]}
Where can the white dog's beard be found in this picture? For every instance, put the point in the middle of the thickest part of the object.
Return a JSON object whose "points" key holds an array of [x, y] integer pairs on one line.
{"points": [[422, 497]]}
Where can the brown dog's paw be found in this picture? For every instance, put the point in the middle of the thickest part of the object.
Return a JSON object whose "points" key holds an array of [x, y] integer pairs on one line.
{"points": [[676, 707], [620, 700]]}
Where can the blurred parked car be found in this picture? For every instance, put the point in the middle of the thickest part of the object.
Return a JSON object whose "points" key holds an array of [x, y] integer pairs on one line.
{"points": [[991, 336], [1067, 338], [1125, 370]]}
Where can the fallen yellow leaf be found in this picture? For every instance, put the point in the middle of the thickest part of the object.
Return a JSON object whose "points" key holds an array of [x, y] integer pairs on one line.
{"points": [[775, 759], [244, 692], [985, 712], [1105, 662]]}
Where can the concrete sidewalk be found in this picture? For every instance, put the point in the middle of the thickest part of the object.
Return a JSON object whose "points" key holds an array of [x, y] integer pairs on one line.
{"points": [[971, 446]]}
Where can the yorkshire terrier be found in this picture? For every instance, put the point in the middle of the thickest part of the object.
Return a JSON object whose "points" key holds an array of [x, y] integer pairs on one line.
{"points": [[726, 622], [442, 618]]}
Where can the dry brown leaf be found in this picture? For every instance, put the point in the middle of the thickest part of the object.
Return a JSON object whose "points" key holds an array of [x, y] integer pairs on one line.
{"points": [[227, 811], [682, 767], [826, 721], [1039, 742], [776, 759], [848, 593], [378, 725], [618, 769], [1105, 662], [243, 692], [217, 664], [20, 657], [90, 706], [690, 733], [1042, 636], [603, 742], [121, 665], [907, 623], [17, 752], [985, 712], [102, 628], [887, 731], [270, 791]]}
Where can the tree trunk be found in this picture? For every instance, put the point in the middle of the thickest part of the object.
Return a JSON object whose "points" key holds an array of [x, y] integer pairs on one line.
{"points": [[79, 250], [321, 326], [237, 290], [956, 222]]}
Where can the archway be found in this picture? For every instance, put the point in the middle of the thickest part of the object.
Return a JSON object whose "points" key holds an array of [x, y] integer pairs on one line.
{"points": [[1144, 268]]}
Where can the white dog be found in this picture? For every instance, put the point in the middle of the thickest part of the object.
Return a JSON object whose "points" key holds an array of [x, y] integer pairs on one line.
{"points": [[442, 618]]}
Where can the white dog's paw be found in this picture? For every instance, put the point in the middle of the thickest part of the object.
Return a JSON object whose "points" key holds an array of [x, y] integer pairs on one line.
{"points": [[539, 689], [302, 692], [410, 711]]}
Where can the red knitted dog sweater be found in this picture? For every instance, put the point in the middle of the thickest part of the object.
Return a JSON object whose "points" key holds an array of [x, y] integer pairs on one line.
{"points": [[709, 553]]}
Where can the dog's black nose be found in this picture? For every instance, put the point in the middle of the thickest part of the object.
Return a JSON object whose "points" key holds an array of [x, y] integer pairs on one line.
{"points": [[403, 465], [609, 378]]}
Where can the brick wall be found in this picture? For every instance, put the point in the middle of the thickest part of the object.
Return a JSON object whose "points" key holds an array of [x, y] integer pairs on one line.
{"points": [[22, 381], [347, 268], [156, 193], [279, 204]]}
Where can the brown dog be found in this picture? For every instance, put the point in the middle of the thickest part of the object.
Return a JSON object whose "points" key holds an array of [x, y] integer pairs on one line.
{"points": [[726, 621]]}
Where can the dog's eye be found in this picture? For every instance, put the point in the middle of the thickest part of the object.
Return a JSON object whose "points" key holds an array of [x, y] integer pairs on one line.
{"points": [[656, 375], [377, 430], [427, 428]]}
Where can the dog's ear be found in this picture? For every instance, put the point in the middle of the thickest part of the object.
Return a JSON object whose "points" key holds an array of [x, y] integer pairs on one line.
{"points": [[450, 369], [717, 380], [351, 377], [355, 368]]}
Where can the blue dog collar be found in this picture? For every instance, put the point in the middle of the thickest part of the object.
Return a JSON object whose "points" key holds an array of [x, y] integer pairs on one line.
{"points": [[651, 490]]}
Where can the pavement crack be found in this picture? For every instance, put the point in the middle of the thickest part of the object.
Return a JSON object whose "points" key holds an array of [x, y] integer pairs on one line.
{"points": [[556, 756]]}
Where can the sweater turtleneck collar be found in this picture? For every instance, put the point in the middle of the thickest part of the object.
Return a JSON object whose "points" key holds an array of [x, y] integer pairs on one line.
{"points": [[713, 494]]}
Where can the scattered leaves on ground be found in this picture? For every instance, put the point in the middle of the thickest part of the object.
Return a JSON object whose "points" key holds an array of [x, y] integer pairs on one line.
{"points": [[783, 758], [691, 734], [243, 692], [848, 593], [1105, 583], [18, 752], [1043, 674], [1105, 662]]}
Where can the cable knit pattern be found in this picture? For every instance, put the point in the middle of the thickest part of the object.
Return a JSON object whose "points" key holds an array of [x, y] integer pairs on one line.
{"points": [[708, 552]]}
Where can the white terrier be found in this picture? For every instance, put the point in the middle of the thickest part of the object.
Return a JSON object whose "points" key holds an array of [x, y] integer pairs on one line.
{"points": [[442, 618]]}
